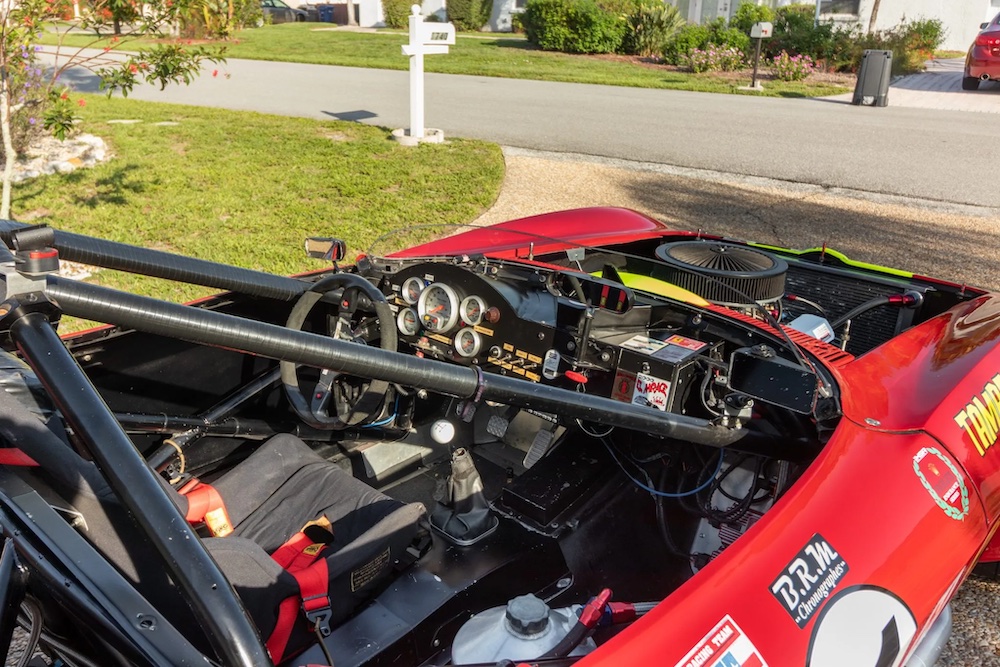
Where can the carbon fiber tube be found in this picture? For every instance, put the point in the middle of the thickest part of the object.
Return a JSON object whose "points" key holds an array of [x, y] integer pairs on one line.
{"points": [[158, 264], [269, 340]]}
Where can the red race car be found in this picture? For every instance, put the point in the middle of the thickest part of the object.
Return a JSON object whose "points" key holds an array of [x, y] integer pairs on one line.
{"points": [[982, 63], [580, 438]]}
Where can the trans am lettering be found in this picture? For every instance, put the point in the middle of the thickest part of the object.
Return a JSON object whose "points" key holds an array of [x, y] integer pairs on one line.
{"points": [[809, 579], [981, 416]]}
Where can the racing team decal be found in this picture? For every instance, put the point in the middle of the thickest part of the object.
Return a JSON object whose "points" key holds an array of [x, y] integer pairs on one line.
{"points": [[943, 482], [862, 625], [809, 579], [725, 646], [981, 416]]}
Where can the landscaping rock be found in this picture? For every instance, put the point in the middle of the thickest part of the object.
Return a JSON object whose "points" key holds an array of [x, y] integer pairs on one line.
{"points": [[49, 155]]}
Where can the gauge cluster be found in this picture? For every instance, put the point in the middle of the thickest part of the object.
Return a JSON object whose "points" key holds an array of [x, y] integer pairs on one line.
{"points": [[440, 310]]}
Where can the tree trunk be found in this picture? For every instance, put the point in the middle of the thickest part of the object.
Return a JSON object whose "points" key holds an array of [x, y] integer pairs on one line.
{"points": [[8, 147], [350, 13], [874, 16]]}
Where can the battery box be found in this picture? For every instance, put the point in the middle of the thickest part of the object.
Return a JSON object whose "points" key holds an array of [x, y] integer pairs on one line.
{"points": [[657, 372]]}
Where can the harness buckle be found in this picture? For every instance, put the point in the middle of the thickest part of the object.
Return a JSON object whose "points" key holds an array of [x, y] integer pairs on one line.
{"points": [[318, 616]]}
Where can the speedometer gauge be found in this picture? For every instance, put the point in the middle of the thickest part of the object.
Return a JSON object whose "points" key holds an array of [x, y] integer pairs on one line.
{"points": [[438, 308], [408, 322], [468, 343], [472, 310], [412, 288]]}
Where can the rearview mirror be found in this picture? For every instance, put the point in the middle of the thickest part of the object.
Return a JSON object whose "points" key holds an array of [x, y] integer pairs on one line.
{"points": [[325, 247]]}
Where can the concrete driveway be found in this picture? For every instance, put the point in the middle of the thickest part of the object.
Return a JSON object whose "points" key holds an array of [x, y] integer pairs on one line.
{"points": [[940, 87]]}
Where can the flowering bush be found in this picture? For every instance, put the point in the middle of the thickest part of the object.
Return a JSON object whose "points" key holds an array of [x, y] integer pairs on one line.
{"points": [[716, 59], [792, 68]]}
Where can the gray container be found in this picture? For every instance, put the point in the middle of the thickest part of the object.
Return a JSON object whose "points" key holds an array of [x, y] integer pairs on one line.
{"points": [[523, 630], [872, 88]]}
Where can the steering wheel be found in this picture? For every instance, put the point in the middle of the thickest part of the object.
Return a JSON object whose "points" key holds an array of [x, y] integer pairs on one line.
{"points": [[338, 400]]}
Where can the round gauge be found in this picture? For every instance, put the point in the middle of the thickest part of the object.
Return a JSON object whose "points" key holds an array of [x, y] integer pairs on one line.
{"points": [[408, 322], [438, 308], [412, 287], [472, 310], [468, 342]]}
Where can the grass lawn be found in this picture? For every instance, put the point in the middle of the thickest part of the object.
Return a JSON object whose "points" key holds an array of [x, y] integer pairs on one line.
{"points": [[246, 188], [504, 55]]}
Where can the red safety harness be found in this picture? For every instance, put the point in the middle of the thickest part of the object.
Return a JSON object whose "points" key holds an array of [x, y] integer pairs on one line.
{"points": [[298, 556]]}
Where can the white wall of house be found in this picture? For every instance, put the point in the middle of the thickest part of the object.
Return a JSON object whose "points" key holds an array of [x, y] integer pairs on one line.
{"points": [[961, 18]]}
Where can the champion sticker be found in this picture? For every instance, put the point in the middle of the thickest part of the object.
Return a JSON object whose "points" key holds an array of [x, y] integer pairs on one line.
{"points": [[809, 579], [651, 391], [725, 646], [943, 482]]}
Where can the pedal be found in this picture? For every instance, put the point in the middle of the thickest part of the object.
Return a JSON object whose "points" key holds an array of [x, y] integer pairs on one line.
{"points": [[539, 448], [497, 427]]}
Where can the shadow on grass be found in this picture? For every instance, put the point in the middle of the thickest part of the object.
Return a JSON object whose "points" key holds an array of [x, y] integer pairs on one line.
{"points": [[113, 189], [521, 44]]}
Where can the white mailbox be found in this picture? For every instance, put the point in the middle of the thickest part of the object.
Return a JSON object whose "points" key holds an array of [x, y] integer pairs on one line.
{"points": [[431, 39], [426, 39], [761, 30]]}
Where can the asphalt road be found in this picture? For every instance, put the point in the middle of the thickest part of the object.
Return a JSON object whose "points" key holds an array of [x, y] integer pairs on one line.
{"points": [[939, 155]]}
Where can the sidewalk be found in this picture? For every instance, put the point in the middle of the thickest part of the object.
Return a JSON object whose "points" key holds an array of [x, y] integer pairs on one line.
{"points": [[940, 87]]}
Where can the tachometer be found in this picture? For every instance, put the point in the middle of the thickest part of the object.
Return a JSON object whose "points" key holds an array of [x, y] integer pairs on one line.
{"points": [[472, 310], [468, 343], [412, 287], [438, 308], [408, 322]]}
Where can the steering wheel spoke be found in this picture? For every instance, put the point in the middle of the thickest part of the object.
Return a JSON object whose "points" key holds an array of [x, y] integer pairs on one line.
{"points": [[338, 401]]}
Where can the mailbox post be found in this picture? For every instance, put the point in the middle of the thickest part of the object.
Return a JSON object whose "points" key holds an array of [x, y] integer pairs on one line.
{"points": [[759, 31], [425, 39]]}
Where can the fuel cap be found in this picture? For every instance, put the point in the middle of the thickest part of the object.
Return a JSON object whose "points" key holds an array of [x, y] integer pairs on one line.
{"points": [[527, 615]]}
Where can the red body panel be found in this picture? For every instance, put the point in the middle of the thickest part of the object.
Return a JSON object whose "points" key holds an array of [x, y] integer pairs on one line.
{"points": [[928, 377], [548, 232]]}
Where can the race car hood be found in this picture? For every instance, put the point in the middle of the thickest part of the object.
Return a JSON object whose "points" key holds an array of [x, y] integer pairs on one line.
{"points": [[941, 377], [546, 233]]}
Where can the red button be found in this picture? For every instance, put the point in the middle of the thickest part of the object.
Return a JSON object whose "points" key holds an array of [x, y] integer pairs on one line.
{"points": [[577, 377]]}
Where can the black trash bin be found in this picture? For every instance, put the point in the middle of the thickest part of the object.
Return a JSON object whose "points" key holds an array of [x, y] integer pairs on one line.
{"points": [[872, 88]]}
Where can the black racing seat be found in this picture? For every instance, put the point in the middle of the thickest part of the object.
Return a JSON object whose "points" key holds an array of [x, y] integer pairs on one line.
{"points": [[358, 532], [269, 497]]}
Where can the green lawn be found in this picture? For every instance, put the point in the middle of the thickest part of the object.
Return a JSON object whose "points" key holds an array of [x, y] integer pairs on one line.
{"points": [[505, 55], [246, 188]]}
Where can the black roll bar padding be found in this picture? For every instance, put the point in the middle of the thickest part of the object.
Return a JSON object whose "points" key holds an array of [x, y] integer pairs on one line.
{"points": [[228, 627], [222, 330], [11, 594], [159, 264]]}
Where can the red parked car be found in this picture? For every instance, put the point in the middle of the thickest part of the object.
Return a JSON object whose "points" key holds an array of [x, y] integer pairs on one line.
{"points": [[983, 60], [582, 439]]}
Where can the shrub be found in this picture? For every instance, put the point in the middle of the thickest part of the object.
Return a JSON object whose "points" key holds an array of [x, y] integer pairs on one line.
{"points": [[469, 14], [911, 45], [687, 39], [650, 28], [748, 13], [795, 31], [396, 13], [716, 59], [792, 68], [572, 26], [716, 33]]}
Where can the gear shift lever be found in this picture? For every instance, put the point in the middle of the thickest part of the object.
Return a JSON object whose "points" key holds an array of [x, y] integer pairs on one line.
{"points": [[464, 517]]}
